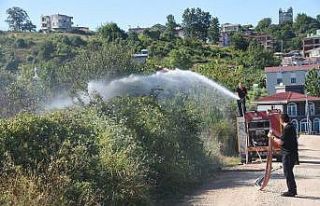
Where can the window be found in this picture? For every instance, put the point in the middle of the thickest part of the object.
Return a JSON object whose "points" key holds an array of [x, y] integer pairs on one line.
{"points": [[311, 108], [293, 80], [292, 109], [296, 125], [304, 125], [279, 81], [316, 125], [279, 78]]}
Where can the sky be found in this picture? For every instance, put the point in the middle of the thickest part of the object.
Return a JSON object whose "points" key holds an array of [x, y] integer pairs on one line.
{"points": [[145, 13]]}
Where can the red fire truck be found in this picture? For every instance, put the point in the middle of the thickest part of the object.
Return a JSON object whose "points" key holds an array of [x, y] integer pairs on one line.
{"points": [[253, 129]]}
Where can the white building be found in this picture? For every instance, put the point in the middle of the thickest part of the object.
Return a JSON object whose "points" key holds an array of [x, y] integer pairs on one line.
{"points": [[227, 27], [56, 22], [292, 78]]}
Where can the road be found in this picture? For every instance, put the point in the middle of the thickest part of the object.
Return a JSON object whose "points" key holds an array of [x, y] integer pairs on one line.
{"points": [[235, 186]]}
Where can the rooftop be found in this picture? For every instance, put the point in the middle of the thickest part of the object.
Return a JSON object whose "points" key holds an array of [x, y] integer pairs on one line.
{"points": [[291, 68], [285, 97]]}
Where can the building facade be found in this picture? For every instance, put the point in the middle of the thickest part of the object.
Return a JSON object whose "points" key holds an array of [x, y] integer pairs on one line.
{"points": [[227, 27], [286, 16], [313, 53], [137, 30], [56, 22], [312, 41], [225, 33], [291, 77], [264, 39], [304, 111]]}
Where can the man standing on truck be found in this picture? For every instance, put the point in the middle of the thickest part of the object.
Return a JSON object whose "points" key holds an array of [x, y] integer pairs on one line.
{"points": [[242, 94], [289, 151]]}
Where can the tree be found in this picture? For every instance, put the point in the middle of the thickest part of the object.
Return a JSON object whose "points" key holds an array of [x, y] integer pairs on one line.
{"points": [[152, 34], [239, 42], [180, 58], [305, 24], [214, 31], [18, 20], [111, 32], [158, 27], [263, 24], [28, 26], [318, 18], [258, 58], [171, 25], [196, 23], [312, 83]]}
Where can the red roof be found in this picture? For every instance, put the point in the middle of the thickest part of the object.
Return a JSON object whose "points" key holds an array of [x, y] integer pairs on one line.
{"points": [[285, 97], [291, 68]]}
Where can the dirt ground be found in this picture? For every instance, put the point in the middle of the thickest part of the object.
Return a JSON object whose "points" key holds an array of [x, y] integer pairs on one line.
{"points": [[235, 186]]}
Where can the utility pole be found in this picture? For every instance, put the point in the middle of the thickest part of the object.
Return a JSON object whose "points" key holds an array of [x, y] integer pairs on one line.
{"points": [[307, 113]]}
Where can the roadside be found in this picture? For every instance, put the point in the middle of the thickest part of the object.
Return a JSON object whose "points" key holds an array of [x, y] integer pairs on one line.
{"points": [[235, 186]]}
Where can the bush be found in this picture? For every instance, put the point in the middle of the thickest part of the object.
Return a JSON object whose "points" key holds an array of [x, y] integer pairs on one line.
{"points": [[68, 160], [129, 151], [21, 43]]}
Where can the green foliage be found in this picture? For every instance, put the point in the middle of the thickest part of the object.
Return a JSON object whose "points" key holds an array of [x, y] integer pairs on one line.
{"points": [[255, 93], [168, 135], [230, 75], [46, 50], [196, 23], [312, 83], [12, 63], [70, 160], [124, 152], [239, 42], [28, 26], [18, 20], [152, 34], [214, 31], [259, 58], [110, 60], [111, 32], [171, 25], [263, 25], [179, 58], [21, 43], [305, 24]]}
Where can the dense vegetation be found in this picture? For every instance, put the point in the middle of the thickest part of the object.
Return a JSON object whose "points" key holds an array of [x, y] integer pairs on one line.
{"points": [[129, 150]]}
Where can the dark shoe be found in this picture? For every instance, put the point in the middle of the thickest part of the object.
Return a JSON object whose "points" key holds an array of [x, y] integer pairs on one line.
{"points": [[289, 194]]}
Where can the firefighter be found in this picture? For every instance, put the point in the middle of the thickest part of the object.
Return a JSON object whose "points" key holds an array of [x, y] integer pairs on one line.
{"points": [[289, 151], [242, 94]]}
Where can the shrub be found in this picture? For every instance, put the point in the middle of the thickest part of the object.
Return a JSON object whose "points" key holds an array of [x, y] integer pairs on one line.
{"points": [[128, 151]]}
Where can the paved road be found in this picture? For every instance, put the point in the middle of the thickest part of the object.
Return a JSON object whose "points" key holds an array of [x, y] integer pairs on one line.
{"points": [[235, 186]]}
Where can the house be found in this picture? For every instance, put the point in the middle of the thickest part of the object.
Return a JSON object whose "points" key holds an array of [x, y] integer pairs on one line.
{"points": [[292, 78], [313, 53], [224, 39], [312, 41], [141, 57], [137, 30], [228, 28], [56, 22], [225, 33], [286, 16], [295, 105], [179, 32]]}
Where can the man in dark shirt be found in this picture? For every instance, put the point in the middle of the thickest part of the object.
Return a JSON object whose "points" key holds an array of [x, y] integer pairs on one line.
{"points": [[242, 94], [289, 150]]}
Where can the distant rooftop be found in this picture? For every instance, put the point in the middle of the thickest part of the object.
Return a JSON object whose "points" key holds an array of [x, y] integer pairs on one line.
{"points": [[291, 68], [285, 97], [317, 34]]}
